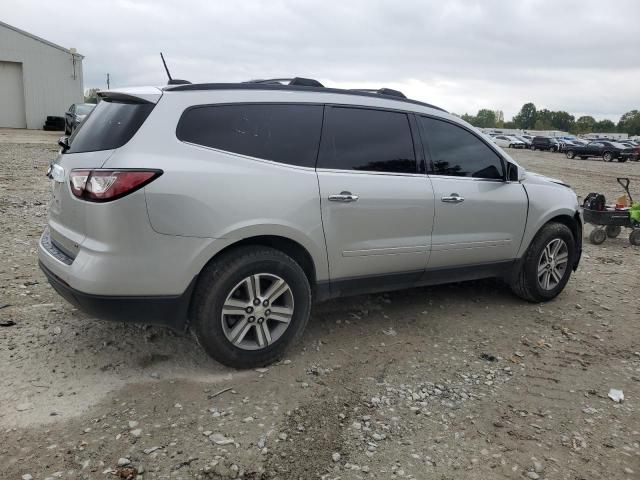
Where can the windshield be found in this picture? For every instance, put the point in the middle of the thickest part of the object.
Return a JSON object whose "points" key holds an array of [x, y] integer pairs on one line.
{"points": [[84, 108], [110, 125]]}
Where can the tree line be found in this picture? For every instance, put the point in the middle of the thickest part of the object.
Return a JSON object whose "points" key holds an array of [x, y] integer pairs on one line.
{"points": [[530, 118]]}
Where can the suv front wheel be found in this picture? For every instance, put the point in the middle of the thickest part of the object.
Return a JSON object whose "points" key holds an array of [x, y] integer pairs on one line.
{"points": [[250, 305], [546, 267]]}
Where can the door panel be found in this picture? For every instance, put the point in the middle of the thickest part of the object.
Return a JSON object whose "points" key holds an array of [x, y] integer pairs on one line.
{"points": [[486, 226], [479, 217], [377, 210], [386, 230], [12, 106]]}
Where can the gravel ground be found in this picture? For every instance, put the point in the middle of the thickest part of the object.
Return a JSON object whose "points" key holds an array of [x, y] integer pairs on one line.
{"points": [[457, 381]]}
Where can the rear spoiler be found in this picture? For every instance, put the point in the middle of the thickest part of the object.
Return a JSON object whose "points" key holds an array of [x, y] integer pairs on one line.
{"points": [[132, 95]]}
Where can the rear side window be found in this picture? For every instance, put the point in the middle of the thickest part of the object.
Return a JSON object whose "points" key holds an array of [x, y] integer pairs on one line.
{"points": [[369, 140], [110, 125], [457, 152], [285, 133]]}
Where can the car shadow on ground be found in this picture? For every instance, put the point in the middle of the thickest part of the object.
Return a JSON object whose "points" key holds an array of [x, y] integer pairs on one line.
{"points": [[155, 348]]}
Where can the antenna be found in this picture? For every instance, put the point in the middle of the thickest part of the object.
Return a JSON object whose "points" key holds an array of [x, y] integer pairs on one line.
{"points": [[165, 67], [171, 80]]}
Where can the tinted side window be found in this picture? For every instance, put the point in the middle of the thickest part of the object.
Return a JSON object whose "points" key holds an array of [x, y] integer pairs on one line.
{"points": [[110, 125], [370, 140], [457, 152], [286, 133]]}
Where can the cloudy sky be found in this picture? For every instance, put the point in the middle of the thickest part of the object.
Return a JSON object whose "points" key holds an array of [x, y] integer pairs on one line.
{"points": [[582, 56]]}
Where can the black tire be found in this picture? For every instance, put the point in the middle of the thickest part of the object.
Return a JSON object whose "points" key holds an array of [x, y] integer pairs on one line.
{"points": [[622, 159], [607, 157], [583, 157], [634, 237], [571, 154], [525, 281], [597, 236], [613, 231], [216, 282]]}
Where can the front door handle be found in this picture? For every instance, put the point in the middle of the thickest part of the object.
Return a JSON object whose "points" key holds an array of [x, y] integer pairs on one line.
{"points": [[453, 198], [344, 197]]}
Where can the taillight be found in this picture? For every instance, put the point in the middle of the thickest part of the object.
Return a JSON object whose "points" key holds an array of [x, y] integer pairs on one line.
{"points": [[107, 185]]}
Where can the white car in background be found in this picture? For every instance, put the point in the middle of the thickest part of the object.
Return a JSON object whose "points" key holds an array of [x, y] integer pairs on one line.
{"points": [[508, 141]]}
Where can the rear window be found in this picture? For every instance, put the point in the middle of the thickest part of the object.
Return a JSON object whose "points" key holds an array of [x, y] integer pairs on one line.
{"points": [[284, 133], [368, 140], [109, 125]]}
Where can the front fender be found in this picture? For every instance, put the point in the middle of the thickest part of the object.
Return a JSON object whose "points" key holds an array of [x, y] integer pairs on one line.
{"points": [[548, 202]]}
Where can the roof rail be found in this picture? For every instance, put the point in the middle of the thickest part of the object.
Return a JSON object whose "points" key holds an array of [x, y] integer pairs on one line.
{"points": [[382, 91], [271, 85], [300, 81], [177, 81]]}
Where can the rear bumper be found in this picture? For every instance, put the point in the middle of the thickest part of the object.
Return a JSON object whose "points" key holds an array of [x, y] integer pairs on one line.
{"points": [[168, 311]]}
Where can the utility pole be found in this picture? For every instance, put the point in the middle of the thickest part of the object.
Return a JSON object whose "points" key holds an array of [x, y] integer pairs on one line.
{"points": [[108, 82]]}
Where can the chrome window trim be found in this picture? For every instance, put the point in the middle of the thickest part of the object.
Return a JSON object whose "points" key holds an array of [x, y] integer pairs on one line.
{"points": [[369, 172]]}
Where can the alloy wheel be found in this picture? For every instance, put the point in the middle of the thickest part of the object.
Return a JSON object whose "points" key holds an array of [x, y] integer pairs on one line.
{"points": [[257, 311], [553, 263]]}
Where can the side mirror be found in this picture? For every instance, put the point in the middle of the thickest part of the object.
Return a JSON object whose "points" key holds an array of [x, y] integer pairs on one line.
{"points": [[514, 173], [64, 143]]}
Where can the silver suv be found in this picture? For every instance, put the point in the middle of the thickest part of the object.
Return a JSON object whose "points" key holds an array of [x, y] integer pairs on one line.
{"points": [[229, 208]]}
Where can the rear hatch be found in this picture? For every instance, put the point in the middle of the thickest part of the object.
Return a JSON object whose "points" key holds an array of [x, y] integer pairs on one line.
{"points": [[110, 125]]}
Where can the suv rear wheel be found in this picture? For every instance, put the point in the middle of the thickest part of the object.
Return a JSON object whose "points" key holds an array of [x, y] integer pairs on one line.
{"points": [[546, 267], [250, 305]]}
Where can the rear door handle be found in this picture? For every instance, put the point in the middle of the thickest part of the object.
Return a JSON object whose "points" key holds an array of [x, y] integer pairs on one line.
{"points": [[453, 198], [344, 197]]}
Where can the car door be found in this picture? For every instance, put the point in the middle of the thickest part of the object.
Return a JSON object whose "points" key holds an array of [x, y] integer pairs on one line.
{"points": [[595, 149], [479, 217], [502, 141], [377, 208]]}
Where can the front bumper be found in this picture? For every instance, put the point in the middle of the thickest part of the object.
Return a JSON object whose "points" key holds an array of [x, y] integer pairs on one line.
{"points": [[168, 311]]}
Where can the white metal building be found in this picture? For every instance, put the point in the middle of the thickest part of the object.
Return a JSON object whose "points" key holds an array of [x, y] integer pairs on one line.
{"points": [[37, 78], [616, 136], [517, 131]]}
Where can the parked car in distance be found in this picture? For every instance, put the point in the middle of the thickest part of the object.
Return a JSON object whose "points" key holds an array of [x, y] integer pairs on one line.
{"points": [[229, 208], [75, 115], [545, 143], [635, 149], [508, 141], [609, 151], [525, 140]]}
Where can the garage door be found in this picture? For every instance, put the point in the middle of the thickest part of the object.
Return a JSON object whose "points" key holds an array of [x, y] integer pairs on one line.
{"points": [[11, 96]]}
